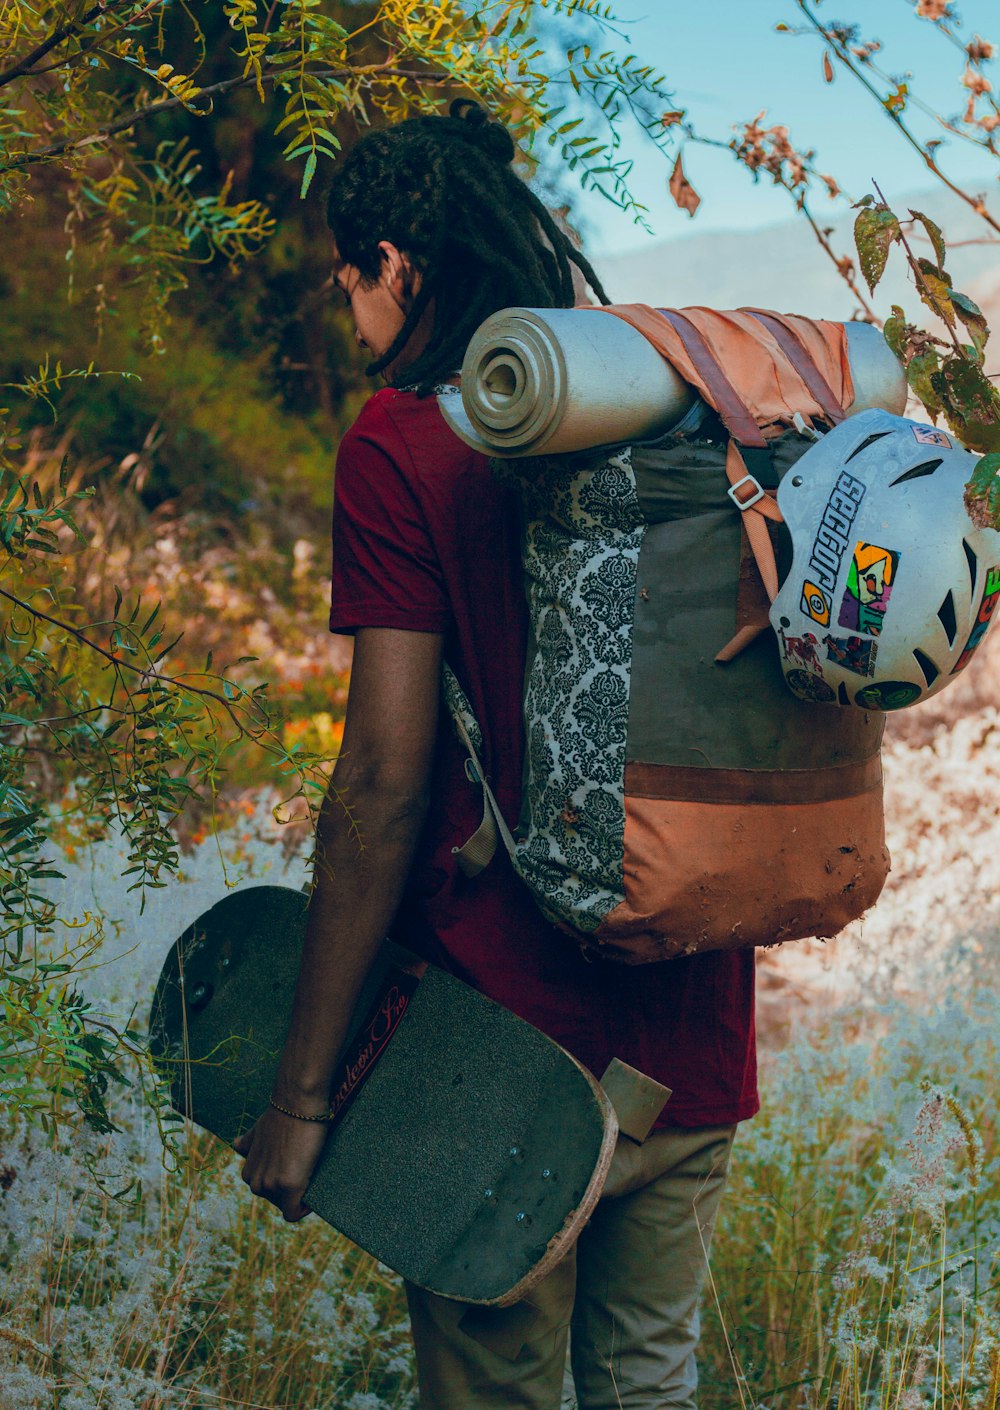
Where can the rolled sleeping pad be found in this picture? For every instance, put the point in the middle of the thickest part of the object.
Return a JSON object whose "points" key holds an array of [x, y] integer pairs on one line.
{"points": [[555, 380], [879, 377]]}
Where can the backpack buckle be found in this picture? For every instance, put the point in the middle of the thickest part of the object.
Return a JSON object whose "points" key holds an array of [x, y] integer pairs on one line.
{"points": [[756, 495]]}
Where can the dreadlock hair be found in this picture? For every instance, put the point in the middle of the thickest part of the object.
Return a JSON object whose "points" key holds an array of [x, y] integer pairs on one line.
{"points": [[442, 190]]}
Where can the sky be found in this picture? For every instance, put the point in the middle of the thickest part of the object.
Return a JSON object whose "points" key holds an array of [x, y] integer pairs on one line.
{"points": [[724, 62]]}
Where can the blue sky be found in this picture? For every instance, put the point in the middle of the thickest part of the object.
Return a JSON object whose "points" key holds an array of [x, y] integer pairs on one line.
{"points": [[724, 62]]}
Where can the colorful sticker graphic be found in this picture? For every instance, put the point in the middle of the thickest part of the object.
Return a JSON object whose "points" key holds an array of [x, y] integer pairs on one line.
{"points": [[803, 668], [809, 687], [987, 607], [870, 581], [833, 535], [888, 695], [931, 436], [800, 650], [815, 603], [854, 653]]}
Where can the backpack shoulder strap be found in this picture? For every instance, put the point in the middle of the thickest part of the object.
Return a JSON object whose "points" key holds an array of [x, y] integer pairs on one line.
{"points": [[725, 398], [801, 359], [745, 489], [478, 851]]}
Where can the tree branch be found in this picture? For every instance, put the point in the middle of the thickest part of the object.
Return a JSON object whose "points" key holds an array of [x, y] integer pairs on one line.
{"points": [[227, 85], [56, 38], [799, 199], [97, 43], [119, 663], [977, 205]]}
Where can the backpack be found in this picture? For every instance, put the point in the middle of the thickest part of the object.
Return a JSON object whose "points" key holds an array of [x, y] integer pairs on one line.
{"points": [[677, 796]]}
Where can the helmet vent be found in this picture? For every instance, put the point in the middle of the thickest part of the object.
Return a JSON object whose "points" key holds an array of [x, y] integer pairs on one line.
{"points": [[928, 667], [868, 441], [917, 473], [973, 562], [946, 616]]}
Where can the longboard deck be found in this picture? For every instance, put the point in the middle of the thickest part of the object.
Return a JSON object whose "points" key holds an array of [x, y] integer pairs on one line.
{"points": [[468, 1150]]}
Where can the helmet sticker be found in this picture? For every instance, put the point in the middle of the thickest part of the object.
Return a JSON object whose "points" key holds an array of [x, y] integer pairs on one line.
{"points": [[815, 603], [869, 586], [809, 687], [799, 650], [887, 695], [834, 531], [931, 436], [803, 668], [987, 607], [854, 653]]}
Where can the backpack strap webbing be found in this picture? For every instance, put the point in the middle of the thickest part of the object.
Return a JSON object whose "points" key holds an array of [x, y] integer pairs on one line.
{"points": [[478, 851], [725, 398], [801, 359], [755, 502]]}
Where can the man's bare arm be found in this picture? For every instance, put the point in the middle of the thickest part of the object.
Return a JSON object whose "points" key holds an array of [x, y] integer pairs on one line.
{"points": [[367, 832]]}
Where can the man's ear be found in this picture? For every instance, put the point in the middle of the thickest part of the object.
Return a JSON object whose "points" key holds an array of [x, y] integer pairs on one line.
{"points": [[401, 279]]}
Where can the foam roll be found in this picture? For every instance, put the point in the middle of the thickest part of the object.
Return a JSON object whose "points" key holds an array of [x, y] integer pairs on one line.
{"points": [[556, 380], [878, 375]]}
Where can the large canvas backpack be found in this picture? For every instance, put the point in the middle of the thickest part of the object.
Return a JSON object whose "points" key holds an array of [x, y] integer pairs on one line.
{"points": [[677, 796]]}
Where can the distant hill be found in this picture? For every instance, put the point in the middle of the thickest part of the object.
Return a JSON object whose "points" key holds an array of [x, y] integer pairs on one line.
{"points": [[783, 267]]}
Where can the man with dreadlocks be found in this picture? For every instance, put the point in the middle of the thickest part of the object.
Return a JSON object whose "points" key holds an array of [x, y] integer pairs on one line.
{"points": [[433, 232]]}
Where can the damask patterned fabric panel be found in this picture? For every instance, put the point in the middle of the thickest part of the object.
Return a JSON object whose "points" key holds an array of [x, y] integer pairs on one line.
{"points": [[584, 530]]}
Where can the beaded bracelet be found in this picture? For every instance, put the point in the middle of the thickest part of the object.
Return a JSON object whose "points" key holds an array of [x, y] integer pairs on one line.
{"points": [[297, 1114]]}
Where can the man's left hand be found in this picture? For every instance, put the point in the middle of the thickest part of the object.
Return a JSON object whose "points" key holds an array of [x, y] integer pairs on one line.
{"points": [[281, 1155]]}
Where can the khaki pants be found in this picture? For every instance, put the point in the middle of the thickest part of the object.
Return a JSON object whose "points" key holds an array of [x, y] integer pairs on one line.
{"points": [[625, 1299]]}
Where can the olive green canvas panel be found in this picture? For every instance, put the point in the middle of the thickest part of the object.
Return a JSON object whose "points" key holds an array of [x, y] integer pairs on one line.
{"points": [[685, 709]]}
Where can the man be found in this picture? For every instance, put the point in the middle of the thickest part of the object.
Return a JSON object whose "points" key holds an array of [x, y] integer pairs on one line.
{"points": [[434, 231]]}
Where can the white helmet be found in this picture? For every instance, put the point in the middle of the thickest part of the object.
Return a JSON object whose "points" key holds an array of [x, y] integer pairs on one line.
{"points": [[892, 587]]}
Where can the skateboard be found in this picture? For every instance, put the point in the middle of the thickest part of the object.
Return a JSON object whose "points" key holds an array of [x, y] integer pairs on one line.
{"points": [[466, 1150]]}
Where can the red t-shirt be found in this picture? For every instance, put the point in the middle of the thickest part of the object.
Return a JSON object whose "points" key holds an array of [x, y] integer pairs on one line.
{"points": [[425, 539]]}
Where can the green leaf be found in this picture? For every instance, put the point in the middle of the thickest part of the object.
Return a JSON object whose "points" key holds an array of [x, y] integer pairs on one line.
{"points": [[920, 372], [982, 493], [985, 475], [974, 319], [308, 175], [895, 332], [935, 292], [981, 435], [936, 237], [875, 230]]}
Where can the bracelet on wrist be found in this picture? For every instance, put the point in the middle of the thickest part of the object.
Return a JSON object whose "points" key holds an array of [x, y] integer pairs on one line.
{"points": [[287, 1111]]}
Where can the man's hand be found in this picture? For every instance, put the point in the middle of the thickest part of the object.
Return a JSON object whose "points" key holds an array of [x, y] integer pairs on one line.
{"points": [[281, 1155]]}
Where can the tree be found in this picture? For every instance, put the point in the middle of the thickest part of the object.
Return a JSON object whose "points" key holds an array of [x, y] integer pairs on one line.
{"points": [[105, 104]]}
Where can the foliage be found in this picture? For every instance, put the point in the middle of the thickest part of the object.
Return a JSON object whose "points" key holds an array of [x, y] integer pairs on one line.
{"points": [[101, 103], [947, 374], [192, 1297]]}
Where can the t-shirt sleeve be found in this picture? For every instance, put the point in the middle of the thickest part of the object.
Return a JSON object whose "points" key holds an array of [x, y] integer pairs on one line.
{"points": [[386, 571]]}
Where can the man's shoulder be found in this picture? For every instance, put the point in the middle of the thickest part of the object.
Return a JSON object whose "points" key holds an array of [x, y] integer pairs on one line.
{"points": [[412, 429]]}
